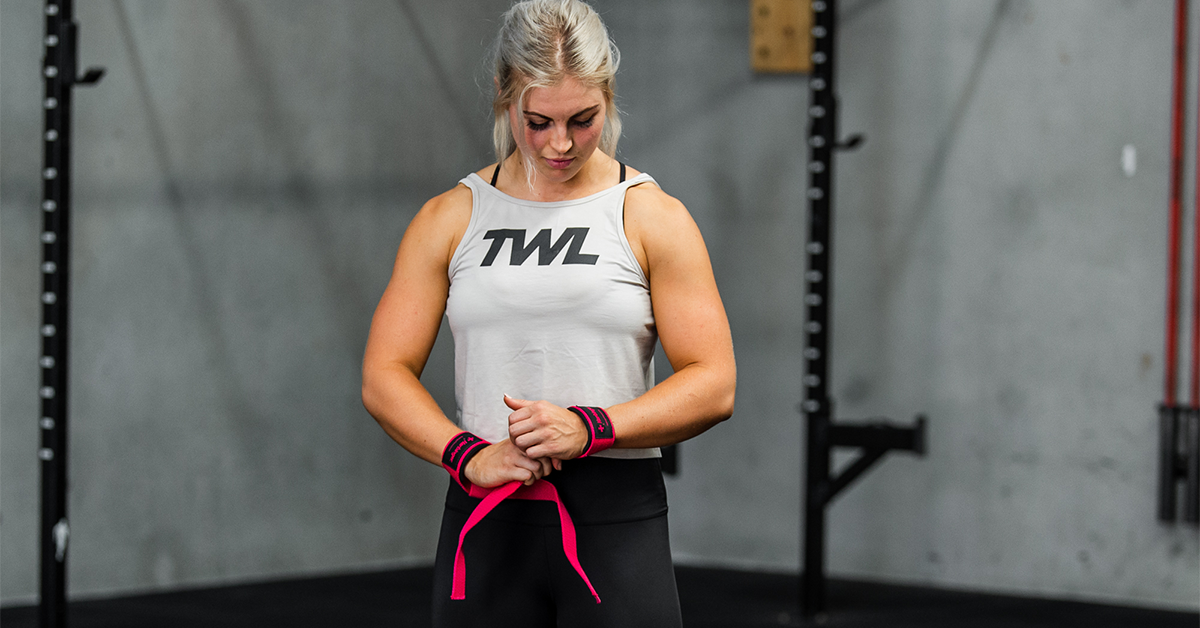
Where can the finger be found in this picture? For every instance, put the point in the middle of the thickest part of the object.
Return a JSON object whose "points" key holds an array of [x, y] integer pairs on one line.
{"points": [[533, 467], [528, 434], [542, 450], [557, 464], [516, 404], [547, 466], [528, 477], [521, 426], [524, 442]]}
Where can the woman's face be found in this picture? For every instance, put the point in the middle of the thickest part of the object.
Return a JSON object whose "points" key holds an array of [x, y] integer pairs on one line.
{"points": [[559, 127]]}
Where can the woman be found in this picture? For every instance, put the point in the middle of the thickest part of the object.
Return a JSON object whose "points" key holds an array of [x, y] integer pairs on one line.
{"points": [[558, 269]]}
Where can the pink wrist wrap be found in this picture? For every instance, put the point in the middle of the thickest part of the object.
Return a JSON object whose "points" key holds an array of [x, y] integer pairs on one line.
{"points": [[458, 453], [599, 427], [455, 457]]}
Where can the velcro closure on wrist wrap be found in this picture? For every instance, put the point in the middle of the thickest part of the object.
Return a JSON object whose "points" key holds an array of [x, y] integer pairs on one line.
{"points": [[599, 427], [458, 453]]}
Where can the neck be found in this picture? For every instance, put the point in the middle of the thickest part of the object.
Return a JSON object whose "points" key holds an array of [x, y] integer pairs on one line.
{"points": [[517, 180]]}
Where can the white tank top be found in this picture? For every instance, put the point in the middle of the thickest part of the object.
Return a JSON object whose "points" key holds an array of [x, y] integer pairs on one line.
{"points": [[547, 301]]}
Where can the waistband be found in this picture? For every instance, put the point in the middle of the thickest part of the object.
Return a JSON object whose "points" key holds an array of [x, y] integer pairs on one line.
{"points": [[594, 490]]}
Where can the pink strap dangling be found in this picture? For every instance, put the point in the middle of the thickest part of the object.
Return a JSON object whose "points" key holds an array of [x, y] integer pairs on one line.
{"points": [[491, 497]]}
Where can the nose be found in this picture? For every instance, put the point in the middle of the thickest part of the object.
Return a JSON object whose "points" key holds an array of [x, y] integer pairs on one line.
{"points": [[560, 140]]}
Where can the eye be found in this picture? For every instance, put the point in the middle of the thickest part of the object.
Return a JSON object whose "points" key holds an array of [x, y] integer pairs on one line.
{"points": [[583, 124], [537, 126]]}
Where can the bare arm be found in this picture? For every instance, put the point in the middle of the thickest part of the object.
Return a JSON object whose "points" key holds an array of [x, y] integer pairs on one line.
{"points": [[403, 331], [692, 327]]}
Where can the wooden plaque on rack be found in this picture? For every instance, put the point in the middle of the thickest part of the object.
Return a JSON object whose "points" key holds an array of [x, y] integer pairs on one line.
{"points": [[781, 36]]}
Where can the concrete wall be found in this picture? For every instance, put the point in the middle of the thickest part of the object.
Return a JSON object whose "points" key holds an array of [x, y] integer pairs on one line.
{"points": [[243, 177], [244, 174], [1004, 275]]}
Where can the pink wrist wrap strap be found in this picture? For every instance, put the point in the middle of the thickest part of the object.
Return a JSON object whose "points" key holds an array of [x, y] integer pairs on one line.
{"points": [[541, 490], [599, 427], [455, 457]]}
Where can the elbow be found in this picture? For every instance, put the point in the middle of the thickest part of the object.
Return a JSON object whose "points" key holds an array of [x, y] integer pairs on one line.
{"points": [[370, 393], [366, 398], [723, 403], [383, 387], [726, 408]]}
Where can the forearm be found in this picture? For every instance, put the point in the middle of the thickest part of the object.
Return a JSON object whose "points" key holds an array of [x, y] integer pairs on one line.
{"points": [[406, 411], [689, 402]]}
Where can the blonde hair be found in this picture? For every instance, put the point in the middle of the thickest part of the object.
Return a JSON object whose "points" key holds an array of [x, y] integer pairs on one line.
{"points": [[542, 42]]}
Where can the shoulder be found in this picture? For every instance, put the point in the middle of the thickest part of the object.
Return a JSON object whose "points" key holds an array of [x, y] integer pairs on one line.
{"points": [[442, 221], [648, 201], [456, 200], [659, 228], [446, 209], [649, 211]]}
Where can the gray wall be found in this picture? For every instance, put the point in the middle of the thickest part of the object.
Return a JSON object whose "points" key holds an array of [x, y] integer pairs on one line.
{"points": [[245, 172], [1003, 274]]}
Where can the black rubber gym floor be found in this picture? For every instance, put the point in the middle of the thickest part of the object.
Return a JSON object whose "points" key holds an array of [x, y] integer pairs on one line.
{"points": [[710, 598]]}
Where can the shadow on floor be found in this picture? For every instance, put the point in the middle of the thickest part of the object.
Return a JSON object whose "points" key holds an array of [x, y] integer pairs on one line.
{"points": [[710, 598]]}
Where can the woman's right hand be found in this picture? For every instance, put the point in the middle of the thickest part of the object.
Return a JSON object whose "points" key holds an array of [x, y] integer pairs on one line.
{"points": [[502, 462]]}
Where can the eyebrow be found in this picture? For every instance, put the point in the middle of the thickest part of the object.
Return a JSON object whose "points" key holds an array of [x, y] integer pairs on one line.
{"points": [[576, 115]]}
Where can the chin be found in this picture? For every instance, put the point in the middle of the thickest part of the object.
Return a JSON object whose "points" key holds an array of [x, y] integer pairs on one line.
{"points": [[561, 175]]}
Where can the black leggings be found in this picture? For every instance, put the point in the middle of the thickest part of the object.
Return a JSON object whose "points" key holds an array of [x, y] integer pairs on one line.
{"points": [[518, 575]]}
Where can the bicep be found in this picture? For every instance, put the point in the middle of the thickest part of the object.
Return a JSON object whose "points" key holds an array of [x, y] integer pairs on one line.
{"points": [[409, 313], [691, 320]]}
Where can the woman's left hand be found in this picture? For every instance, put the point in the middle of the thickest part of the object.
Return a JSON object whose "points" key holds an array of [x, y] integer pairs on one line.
{"points": [[544, 430]]}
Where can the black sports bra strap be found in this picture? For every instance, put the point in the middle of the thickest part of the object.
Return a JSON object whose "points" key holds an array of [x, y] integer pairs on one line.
{"points": [[622, 172]]}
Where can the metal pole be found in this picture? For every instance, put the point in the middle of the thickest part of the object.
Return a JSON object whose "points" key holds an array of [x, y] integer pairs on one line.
{"points": [[1175, 208], [1191, 433], [817, 405], [1167, 435], [59, 73], [58, 69]]}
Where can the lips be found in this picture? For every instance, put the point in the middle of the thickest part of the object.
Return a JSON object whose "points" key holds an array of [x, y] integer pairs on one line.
{"points": [[560, 164]]}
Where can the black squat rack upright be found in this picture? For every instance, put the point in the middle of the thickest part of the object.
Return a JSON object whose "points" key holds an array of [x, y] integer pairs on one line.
{"points": [[58, 70], [874, 438]]}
